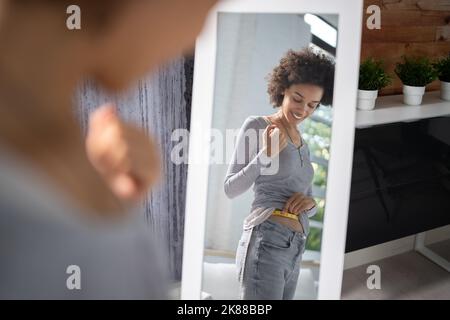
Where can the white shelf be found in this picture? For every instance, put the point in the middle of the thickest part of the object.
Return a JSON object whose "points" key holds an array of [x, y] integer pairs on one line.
{"points": [[390, 109]]}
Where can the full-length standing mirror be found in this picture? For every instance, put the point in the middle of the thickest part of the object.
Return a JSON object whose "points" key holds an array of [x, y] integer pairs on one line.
{"points": [[270, 150]]}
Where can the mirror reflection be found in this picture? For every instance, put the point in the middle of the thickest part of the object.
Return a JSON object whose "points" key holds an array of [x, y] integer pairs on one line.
{"points": [[271, 132]]}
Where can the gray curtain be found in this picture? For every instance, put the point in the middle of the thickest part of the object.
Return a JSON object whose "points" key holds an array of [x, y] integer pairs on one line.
{"points": [[159, 103]]}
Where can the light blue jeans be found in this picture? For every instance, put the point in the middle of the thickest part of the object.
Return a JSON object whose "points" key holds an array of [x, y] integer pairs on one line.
{"points": [[268, 261]]}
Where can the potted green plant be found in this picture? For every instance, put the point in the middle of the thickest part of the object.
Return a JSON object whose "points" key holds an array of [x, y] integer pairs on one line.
{"points": [[372, 78], [415, 73], [442, 67]]}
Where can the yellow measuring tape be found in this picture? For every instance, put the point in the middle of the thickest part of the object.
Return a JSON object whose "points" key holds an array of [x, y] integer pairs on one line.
{"points": [[278, 212]]}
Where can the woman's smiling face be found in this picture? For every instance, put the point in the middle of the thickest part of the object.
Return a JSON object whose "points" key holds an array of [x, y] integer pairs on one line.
{"points": [[300, 101]]}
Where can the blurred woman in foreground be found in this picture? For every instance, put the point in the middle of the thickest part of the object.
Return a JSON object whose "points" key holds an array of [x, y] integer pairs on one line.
{"points": [[58, 191]]}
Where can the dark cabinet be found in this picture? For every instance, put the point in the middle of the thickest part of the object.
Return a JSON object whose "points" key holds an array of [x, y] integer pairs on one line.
{"points": [[400, 183]]}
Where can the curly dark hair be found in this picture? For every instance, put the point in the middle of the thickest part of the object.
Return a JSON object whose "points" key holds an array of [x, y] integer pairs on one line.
{"points": [[302, 67]]}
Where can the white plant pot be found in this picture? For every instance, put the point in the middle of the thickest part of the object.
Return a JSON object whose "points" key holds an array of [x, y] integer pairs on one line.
{"points": [[445, 90], [413, 95], [366, 99]]}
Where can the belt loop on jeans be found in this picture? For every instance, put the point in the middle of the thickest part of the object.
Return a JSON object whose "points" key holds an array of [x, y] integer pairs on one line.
{"points": [[292, 237]]}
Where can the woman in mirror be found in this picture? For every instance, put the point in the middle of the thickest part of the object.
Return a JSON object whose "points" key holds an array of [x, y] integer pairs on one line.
{"points": [[277, 164]]}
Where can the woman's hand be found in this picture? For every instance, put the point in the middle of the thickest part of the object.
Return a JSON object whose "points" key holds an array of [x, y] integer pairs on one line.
{"points": [[271, 136], [299, 203], [124, 155]]}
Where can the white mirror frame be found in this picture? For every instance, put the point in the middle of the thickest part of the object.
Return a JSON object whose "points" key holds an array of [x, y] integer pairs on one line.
{"points": [[341, 148]]}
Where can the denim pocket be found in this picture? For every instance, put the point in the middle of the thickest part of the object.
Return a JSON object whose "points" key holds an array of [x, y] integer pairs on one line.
{"points": [[271, 237], [276, 244]]}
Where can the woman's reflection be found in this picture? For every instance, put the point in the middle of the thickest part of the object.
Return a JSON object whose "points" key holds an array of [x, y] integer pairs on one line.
{"points": [[274, 236]]}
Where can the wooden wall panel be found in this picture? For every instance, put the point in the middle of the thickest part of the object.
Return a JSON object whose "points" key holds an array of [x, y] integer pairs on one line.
{"points": [[408, 27]]}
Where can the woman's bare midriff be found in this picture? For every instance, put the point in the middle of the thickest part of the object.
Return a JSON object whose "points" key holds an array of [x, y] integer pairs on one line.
{"points": [[294, 225]]}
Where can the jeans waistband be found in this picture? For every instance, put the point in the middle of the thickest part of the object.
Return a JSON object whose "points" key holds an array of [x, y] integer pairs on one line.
{"points": [[285, 230]]}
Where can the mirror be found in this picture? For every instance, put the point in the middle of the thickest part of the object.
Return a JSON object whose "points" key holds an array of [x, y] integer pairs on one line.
{"points": [[241, 233], [274, 95]]}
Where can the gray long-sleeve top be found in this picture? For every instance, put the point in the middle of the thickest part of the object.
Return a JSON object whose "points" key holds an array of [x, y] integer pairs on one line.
{"points": [[42, 233], [250, 166]]}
